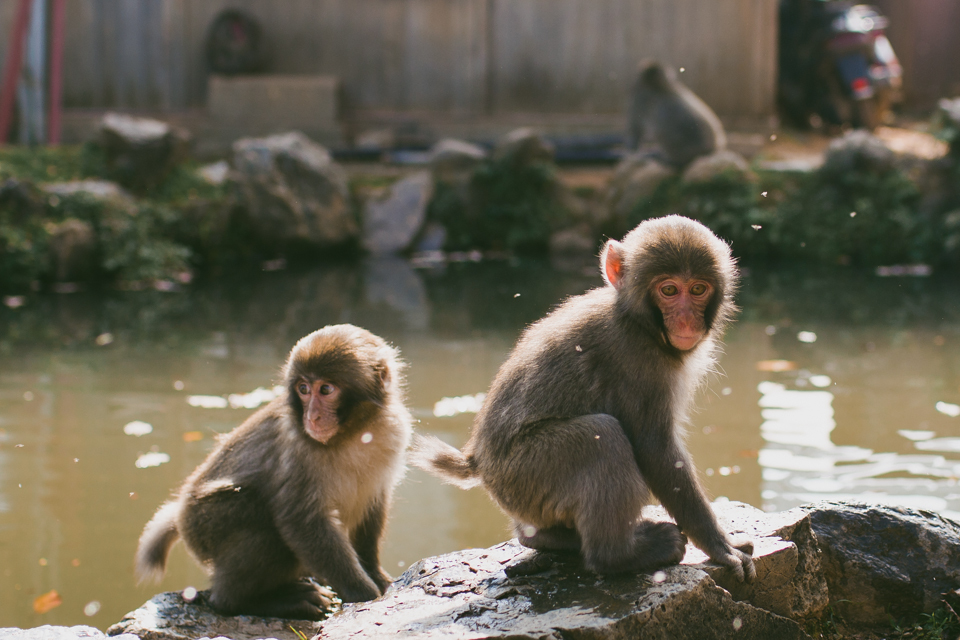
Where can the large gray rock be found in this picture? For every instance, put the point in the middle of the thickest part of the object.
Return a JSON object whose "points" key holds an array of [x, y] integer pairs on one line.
{"points": [[49, 632], [454, 161], [103, 190], [509, 591], [292, 191], [725, 162], [523, 147], [167, 616], [390, 224], [140, 152], [883, 562], [635, 179], [859, 151]]}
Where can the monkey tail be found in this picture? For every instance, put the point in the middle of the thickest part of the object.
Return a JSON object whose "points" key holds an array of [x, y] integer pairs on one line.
{"points": [[155, 542], [448, 463]]}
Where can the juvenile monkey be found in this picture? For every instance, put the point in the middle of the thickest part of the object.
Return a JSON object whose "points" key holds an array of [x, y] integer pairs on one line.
{"points": [[581, 426], [300, 489], [669, 120]]}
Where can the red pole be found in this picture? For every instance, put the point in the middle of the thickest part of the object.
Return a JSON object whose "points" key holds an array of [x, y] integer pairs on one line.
{"points": [[11, 71], [56, 60]]}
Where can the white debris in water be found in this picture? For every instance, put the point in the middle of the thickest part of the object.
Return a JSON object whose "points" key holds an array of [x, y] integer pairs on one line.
{"points": [[253, 399], [152, 459], [137, 428], [208, 402], [447, 407], [917, 436], [807, 336], [948, 409], [820, 381]]}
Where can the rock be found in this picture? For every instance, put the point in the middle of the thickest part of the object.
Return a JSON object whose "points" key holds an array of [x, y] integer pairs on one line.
{"points": [[454, 161], [215, 173], [725, 162], [21, 200], [860, 151], [97, 189], [883, 562], [509, 591], [574, 240], [634, 180], [48, 632], [292, 191], [391, 224], [432, 238], [140, 152], [167, 616], [523, 147], [73, 250], [391, 285]]}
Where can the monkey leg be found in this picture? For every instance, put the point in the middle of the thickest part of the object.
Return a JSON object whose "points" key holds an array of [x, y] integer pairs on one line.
{"points": [[577, 479]]}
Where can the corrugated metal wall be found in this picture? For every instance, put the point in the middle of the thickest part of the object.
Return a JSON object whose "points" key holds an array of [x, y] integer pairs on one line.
{"points": [[459, 56]]}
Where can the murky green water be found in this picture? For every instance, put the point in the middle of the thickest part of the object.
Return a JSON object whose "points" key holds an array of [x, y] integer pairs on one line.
{"points": [[855, 415]]}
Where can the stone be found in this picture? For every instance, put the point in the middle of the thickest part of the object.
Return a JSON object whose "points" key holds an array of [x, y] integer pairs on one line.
{"points": [[454, 161], [635, 179], [523, 147], [73, 250], [266, 104], [49, 632], [167, 616], [725, 162], [391, 285], [141, 152], [574, 240], [885, 562], [390, 224], [104, 190], [857, 151], [509, 591], [293, 192]]}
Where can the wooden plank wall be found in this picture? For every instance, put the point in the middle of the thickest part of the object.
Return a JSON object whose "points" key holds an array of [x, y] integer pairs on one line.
{"points": [[470, 57]]}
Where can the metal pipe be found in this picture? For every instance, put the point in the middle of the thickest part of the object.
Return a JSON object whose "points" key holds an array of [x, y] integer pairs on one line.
{"points": [[11, 71], [56, 70]]}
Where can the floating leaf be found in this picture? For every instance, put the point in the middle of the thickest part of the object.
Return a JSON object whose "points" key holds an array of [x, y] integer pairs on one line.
{"points": [[192, 436], [46, 602], [776, 365]]}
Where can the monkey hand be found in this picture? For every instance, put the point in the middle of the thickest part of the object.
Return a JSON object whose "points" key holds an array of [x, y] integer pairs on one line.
{"points": [[739, 558]]}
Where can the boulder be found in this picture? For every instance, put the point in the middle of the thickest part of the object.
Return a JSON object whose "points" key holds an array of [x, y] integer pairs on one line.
{"points": [[725, 162], [509, 591], [105, 190], [454, 161], [390, 224], [140, 152], [885, 562], [634, 180], [292, 191], [523, 147], [576, 240], [168, 616], [858, 151], [49, 632]]}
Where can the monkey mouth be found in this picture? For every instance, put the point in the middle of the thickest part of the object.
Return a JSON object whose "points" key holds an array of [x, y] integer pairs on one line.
{"points": [[684, 342], [320, 431]]}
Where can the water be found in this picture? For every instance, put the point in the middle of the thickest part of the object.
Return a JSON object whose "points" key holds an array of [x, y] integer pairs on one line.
{"points": [[830, 389]]}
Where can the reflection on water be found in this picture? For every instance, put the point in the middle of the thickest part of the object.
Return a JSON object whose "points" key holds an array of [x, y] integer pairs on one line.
{"points": [[836, 384]]}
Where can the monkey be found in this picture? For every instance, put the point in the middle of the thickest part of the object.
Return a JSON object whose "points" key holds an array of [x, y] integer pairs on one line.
{"points": [[300, 489], [581, 426], [668, 120]]}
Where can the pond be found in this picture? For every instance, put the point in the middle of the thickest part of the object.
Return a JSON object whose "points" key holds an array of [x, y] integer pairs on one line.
{"points": [[835, 384]]}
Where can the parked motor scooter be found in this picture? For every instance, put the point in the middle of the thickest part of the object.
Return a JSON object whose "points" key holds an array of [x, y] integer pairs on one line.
{"points": [[836, 64]]}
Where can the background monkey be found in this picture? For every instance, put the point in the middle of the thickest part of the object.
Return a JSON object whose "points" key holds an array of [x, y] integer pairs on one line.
{"points": [[580, 428], [301, 488], [669, 119]]}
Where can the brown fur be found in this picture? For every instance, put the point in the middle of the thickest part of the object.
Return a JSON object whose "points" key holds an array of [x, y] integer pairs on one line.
{"points": [[581, 426], [270, 505], [667, 118]]}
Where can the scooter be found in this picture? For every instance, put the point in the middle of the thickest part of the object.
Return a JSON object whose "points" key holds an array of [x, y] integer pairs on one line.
{"points": [[836, 64]]}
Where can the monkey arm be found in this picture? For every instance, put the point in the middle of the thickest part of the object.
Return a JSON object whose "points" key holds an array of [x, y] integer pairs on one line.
{"points": [[669, 472], [366, 542], [320, 543]]}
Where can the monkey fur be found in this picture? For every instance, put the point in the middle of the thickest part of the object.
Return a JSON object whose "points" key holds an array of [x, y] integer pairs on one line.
{"points": [[300, 489], [667, 118], [582, 424]]}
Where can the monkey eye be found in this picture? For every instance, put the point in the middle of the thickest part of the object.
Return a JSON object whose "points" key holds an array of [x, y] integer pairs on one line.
{"points": [[669, 290], [303, 388], [326, 389], [698, 289]]}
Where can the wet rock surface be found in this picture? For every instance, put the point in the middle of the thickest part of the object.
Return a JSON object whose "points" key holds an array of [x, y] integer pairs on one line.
{"points": [[167, 616], [49, 632], [140, 152], [390, 224], [885, 562]]}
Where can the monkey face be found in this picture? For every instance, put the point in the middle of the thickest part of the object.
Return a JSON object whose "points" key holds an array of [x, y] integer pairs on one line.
{"points": [[682, 301], [320, 400]]}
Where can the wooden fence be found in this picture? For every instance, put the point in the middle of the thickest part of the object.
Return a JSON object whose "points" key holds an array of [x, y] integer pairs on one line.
{"points": [[470, 57]]}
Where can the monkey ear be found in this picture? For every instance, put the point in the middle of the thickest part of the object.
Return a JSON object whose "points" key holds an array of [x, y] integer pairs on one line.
{"points": [[611, 263]]}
